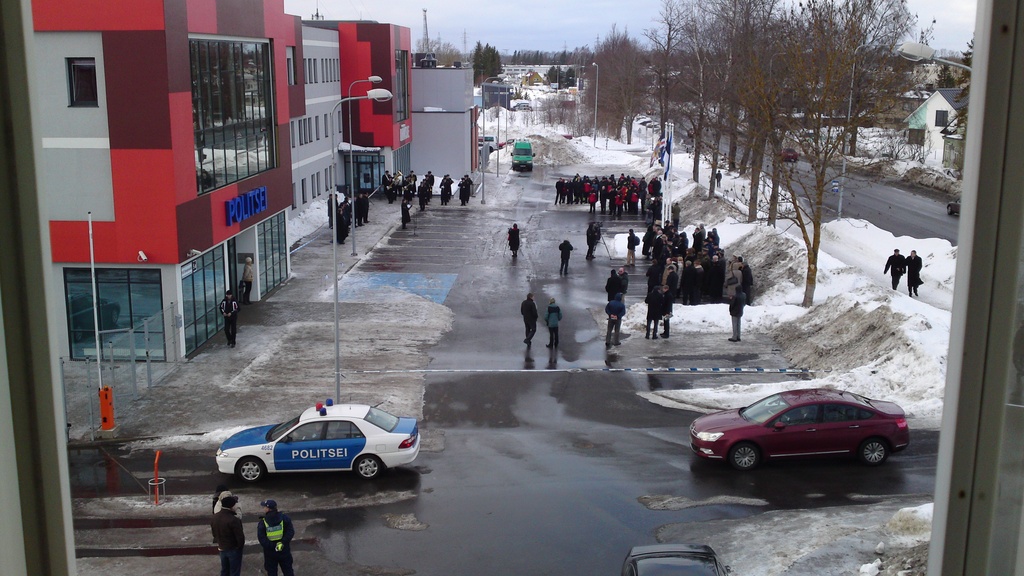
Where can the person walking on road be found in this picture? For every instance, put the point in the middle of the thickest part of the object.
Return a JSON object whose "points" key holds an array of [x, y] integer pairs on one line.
{"points": [[739, 300], [275, 533], [513, 240], [229, 537], [406, 213], [552, 318], [566, 249], [229, 309], [914, 265], [593, 237], [895, 265], [615, 309], [529, 311]]}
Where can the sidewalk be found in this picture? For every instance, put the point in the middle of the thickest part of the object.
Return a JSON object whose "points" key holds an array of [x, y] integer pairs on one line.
{"points": [[284, 360]]}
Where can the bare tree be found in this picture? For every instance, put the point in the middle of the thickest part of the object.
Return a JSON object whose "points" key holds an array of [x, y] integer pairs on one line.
{"points": [[623, 90], [665, 42], [825, 37]]}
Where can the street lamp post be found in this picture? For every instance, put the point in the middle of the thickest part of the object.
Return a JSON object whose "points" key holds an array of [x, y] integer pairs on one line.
{"points": [[597, 84], [849, 113], [917, 52], [483, 172], [351, 167], [381, 95]]}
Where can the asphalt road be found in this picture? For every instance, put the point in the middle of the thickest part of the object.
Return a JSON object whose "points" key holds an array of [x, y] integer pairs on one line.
{"points": [[555, 472]]}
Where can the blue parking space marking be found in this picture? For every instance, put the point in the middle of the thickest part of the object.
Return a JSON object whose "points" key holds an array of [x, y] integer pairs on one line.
{"points": [[358, 285]]}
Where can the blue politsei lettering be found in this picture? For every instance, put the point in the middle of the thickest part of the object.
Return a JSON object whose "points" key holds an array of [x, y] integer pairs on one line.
{"points": [[246, 205]]}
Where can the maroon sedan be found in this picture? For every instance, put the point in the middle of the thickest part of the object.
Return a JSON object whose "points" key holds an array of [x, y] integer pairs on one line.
{"points": [[790, 155], [800, 424]]}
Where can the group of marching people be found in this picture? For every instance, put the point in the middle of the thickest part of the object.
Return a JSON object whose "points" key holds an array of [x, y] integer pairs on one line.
{"points": [[410, 186], [615, 195]]}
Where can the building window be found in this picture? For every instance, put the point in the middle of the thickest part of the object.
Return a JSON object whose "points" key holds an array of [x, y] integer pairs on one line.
{"points": [[126, 298], [304, 200], [203, 283], [401, 92], [82, 90], [941, 118], [272, 237], [290, 64], [232, 111]]}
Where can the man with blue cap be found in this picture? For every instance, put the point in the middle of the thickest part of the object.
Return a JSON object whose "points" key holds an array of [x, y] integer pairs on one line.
{"points": [[275, 533]]}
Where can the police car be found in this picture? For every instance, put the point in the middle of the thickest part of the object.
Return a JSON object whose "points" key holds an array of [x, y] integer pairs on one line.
{"points": [[324, 437]]}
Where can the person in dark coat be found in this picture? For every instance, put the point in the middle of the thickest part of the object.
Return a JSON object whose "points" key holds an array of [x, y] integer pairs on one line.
{"points": [[686, 280], [552, 317], [698, 238], [654, 272], [615, 310], [739, 300], [632, 241], [275, 533], [747, 282], [716, 280], [698, 283], [446, 189], [613, 285], [897, 266], [566, 249], [914, 265], [406, 213], [229, 537], [593, 237], [529, 311], [513, 240], [362, 209], [465, 189], [623, 282], [655, 309], [648, 239], [229, 309], [386, 183], [342, 220], [672, 284]]}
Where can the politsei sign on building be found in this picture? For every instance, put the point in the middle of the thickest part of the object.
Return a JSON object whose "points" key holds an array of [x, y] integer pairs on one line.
{"points": [[246, 205]]}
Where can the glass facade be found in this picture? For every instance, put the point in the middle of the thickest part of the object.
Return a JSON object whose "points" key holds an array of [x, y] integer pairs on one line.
{"points": [[202, 288], [401, 91], [272, 236], [126, 298], [232, 111]]}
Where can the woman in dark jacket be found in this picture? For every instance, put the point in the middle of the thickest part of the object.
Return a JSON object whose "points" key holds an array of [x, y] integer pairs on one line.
{"points": [[513, 240], [613, 285]]}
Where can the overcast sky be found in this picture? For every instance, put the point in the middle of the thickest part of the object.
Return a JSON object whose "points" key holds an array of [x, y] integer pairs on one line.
{"points": [[551, 25]]}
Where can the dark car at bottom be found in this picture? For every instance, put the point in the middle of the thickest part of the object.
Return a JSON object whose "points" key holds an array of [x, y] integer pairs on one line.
{"points": [[673, 559], [810, 423]]}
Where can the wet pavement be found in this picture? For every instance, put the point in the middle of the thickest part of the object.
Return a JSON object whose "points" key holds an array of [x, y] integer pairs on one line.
{"points": [[536, 473]]}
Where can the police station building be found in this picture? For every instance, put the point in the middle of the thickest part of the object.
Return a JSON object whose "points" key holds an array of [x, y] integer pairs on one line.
{"points": [[169, 124]]}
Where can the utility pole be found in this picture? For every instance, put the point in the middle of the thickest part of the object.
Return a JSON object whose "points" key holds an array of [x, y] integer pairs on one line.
{"points": [[426, 35]]}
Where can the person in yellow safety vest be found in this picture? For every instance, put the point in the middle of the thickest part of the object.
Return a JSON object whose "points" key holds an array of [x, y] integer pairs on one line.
{"points": [[275, 533]]}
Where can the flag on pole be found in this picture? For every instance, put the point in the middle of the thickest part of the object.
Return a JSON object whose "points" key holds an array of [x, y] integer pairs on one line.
{"points": [[659, 151], [667, 162]]}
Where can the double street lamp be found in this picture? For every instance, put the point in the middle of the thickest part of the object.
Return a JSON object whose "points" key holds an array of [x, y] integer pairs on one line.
{"points": [[378, 95]]}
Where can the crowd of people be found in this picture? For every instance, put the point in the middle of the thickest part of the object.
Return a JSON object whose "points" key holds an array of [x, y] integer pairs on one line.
{"points": [[677, 272], [614, 195]]}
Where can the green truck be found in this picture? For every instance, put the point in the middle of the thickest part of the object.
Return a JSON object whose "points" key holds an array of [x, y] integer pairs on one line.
{"points": [[522, 155]]}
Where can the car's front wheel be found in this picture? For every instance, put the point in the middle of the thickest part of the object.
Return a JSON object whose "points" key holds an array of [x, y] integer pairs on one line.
{"points": [[949, 210], [873, 451], [369, 467], [744, 456], [250, 469]]}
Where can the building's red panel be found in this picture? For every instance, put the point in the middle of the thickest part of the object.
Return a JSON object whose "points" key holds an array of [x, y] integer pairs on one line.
{"points": [[97, 15], [202, 16], [297, 93], [240, 18], [183, 144], [179, 74], [136, 82], [143, 196]]}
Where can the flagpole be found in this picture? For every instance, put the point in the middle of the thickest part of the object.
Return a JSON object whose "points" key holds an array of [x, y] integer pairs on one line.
{"points": [[670, 129]]}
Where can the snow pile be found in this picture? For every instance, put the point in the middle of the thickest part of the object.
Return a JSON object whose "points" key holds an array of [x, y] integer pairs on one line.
{"points": [[911, 525]]}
